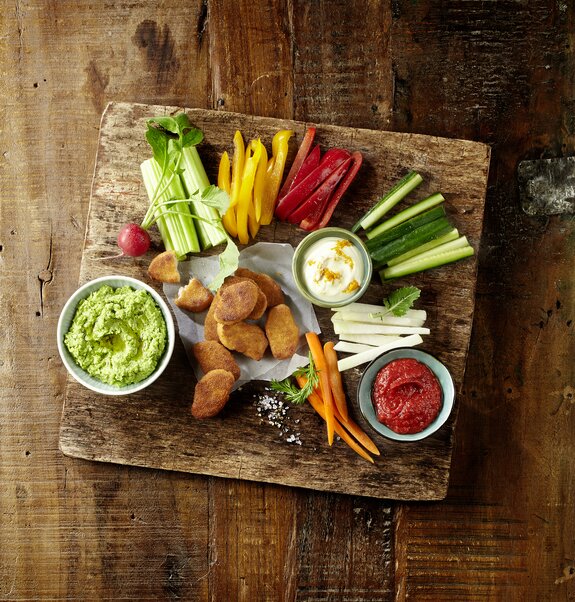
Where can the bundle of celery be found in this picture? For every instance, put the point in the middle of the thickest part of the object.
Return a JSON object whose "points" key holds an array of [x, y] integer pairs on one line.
{"points": [[180, 196], [415, 239]]}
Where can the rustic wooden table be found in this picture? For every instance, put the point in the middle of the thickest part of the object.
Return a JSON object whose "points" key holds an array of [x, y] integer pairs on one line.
{"points": [[500, 73]]}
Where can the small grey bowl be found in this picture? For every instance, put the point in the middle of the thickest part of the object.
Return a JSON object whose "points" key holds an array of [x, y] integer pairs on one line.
{"points": [[366, 384], [67, 315], [313, 237]]}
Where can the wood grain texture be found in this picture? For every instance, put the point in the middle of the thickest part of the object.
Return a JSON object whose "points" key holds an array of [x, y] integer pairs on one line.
{"points": [[154, 428], [501, 73]]}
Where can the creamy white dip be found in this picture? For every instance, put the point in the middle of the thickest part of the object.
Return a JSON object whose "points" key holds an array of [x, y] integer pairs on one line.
{"points": [[332, 269]]}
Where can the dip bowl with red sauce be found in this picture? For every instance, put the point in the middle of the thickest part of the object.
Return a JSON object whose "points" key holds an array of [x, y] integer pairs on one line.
{"points": [[406, 394]]}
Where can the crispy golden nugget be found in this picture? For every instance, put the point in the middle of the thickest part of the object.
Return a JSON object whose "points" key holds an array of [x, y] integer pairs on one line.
{"points": [[270, 288], [212, 393], [210, 324], [260, 307], [212, 355], [245, 338], [282, 332], [164, 268], [194, 297], [236, 302]]}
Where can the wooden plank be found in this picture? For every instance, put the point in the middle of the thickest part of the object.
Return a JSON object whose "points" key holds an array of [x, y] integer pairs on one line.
{"points": [[141, 431]]}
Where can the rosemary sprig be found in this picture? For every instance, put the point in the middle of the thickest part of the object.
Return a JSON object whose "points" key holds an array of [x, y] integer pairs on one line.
{"points": [[291, 391]]}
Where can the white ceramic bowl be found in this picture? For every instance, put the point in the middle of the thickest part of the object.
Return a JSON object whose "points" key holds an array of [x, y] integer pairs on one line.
{"points": [[366, 384], [67, 315]]}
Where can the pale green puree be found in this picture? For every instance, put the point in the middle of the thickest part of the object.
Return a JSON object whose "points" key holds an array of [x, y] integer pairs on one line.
{"points": [[117, 335]]}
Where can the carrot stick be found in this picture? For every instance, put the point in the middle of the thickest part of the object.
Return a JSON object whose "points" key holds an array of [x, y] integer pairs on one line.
{"points": [[319, 361], [318, 405], [356, 431], [335, 379]]}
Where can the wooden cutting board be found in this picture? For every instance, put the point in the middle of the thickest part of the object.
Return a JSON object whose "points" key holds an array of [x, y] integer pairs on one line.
{"points": [[154, 428]]}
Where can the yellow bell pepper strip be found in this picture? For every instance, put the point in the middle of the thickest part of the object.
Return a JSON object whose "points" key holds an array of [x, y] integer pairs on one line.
{"points": [[279, 150], [224, 182], [245, 195], [299, 160], [229, 220], [260, 181], [253, 224]]}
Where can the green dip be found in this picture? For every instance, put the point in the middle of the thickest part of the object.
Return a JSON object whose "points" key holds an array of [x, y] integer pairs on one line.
{"points": [[117, 335]]}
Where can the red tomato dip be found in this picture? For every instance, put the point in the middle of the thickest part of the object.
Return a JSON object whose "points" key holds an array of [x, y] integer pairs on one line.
{"points": [[406, 396]]}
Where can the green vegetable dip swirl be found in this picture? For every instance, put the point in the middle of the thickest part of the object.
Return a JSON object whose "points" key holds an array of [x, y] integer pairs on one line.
{"points": [[117, 335]]}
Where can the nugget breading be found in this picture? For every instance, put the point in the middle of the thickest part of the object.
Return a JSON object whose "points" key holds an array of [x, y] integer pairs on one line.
{"points": [[270, 288], [236, 302], [164, 268], [194, 297], [212, 393], [282, 332], [212, 355], [245, 338], [210, 324], [260, 307]]}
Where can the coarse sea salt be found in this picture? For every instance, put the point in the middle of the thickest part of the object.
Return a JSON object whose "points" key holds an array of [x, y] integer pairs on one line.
{"points": [[274, 411]]}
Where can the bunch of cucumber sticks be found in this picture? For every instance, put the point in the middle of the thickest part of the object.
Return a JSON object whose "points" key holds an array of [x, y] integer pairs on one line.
{"points": [[415, 239]]}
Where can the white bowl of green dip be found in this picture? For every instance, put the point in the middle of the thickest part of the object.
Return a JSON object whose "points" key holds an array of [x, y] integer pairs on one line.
{"points": [[115, 335]]}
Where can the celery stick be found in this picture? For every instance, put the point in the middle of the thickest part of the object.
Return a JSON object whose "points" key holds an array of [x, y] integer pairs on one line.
{"points": [[446, 253], [407, 214], [174, 220], [436, 242], [195, 180], [408, 183]]}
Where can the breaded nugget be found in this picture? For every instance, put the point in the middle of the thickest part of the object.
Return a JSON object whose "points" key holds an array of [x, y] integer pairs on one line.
{"points": [[248, 339], [210, 324], [164, 268], [270, 288], [194, 297], [236, 302], [260, 307], [282, 332], [212, 355], [212, 393]]}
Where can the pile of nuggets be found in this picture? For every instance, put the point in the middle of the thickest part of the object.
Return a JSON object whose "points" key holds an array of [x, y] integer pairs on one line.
{"points": [[230, 326]]}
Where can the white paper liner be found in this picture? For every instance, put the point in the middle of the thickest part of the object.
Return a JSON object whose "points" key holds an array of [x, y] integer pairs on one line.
{"points": [[274, 259]]}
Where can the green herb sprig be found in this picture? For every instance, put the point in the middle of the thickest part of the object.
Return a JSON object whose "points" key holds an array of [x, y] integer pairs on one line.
{"points": [[291, 391]]}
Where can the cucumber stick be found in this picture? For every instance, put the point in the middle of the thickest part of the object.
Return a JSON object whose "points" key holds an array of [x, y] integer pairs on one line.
{"points": [[409, 241], [408, 183], [444, 254], [406, 215], [405, 227], [452, 235]]}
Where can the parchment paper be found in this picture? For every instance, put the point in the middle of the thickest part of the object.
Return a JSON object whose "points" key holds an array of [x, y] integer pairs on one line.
{"points": [[273, 259]]}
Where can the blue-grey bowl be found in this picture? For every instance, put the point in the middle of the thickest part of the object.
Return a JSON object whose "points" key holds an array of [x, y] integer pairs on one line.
{"points": [[366, 384]]}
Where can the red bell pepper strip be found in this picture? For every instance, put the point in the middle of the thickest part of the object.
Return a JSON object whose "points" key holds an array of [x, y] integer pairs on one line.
{"points": [[332, 159], [299, 159], [335, 198], [310, 163], [313, 207]]}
